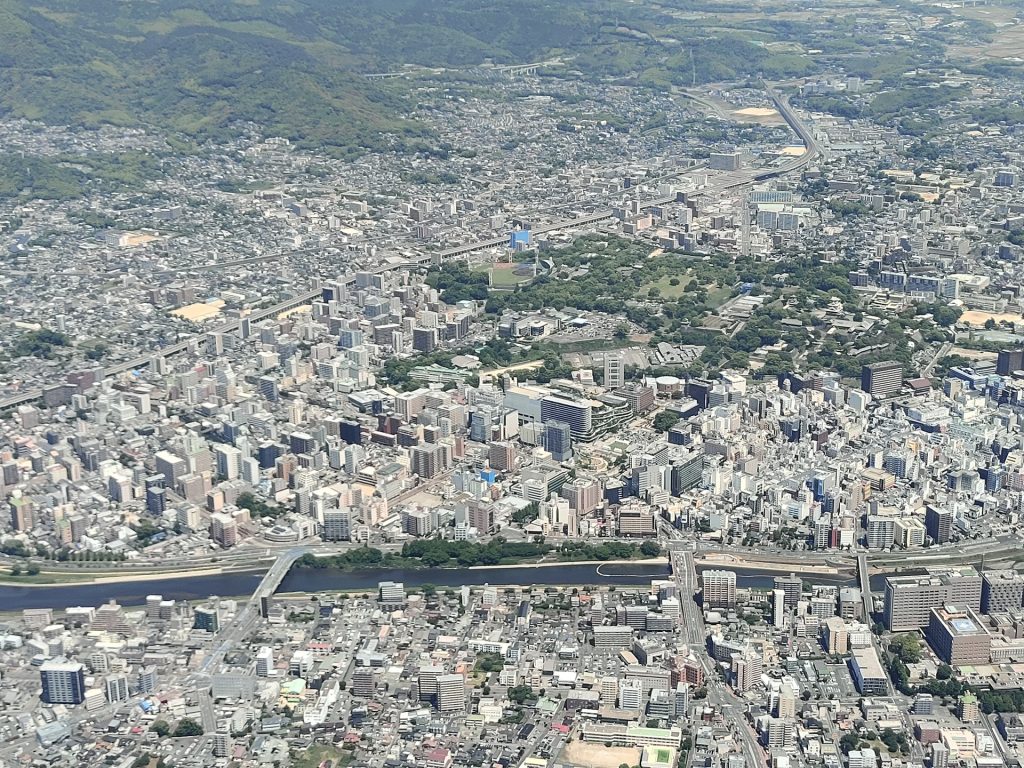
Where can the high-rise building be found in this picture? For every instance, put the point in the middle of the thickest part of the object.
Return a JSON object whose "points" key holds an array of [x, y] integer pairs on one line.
{"points": [[557, 440], [882, 379], [222, 743], [364, 683], [451, 693], [1001, 591], [391, 592], [967, 708], [958, 636], [910, 599], [614, 370], [780, 733], [223, 529], [792, 586], [146, 680], [631, 695], [427, 682], [206, 619], [116, 688], [910, 532], [22, 513], [938, 524], [229, 461], [264, 661], [1010, 360], [779, 608], [427, 461], [609, 690], [63, 681], [337, 525], [867, 672], [636, 521], [746, 670], [170, 466], [268, 388], [718, 588], [576, 413], [836, 636], [881, 531], [786, 704]]}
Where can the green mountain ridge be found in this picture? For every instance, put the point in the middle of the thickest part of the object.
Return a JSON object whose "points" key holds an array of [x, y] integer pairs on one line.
{"points": [[297, 67]]}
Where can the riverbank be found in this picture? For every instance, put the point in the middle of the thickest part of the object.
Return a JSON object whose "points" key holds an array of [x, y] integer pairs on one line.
{"points": [[232, 583], [58, 578], [722, 560], [563, 563]]}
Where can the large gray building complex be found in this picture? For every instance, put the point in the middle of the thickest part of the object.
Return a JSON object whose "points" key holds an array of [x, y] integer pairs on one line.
{"points": [[910, 599]]}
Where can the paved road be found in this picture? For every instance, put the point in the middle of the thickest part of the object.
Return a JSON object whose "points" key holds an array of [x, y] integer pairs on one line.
{"points": [[719, 695]]}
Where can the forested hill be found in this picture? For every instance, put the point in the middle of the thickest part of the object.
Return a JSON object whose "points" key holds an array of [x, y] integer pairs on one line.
{"points": [[296, 67]]}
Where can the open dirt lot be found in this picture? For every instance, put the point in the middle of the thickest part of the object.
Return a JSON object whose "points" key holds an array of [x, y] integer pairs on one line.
{"points": [[587, 755], [976, 317]]}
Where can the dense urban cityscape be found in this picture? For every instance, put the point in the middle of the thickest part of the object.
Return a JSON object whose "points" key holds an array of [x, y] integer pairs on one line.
{"points": [[594, 384]]}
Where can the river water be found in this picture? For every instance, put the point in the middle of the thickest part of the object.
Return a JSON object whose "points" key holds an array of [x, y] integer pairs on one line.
{"points": [[17, 598]]}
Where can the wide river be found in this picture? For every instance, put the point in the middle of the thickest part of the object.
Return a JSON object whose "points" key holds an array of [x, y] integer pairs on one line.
{"points": [[244, 583]]}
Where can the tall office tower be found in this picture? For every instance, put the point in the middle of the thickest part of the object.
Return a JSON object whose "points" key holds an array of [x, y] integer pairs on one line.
{"points": [[268, 388], [170, 466], [426, 682], [63, 681], [882, 379], [719, 588], [146, 680], [938, 523], [631, 694], [451, 693], [206, 619], [614, 370], [557, 440]]}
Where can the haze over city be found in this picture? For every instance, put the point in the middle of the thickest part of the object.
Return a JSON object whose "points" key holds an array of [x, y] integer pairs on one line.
{"points": [[513, 384]]}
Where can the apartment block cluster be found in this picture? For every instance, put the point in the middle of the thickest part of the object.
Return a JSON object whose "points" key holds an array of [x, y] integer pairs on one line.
{"points": [[808, 665]]}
